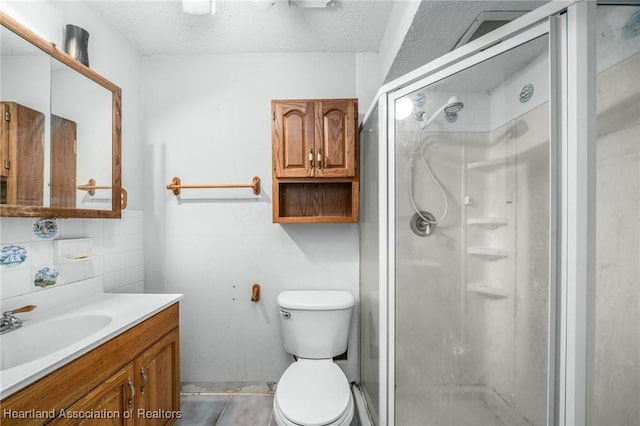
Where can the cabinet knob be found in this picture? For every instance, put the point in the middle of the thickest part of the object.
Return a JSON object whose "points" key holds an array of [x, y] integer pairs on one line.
{"points": [[319, 158]]}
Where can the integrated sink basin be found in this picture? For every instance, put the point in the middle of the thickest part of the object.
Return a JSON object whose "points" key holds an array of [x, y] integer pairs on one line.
{"points": [[34, 341], [69, 321]]}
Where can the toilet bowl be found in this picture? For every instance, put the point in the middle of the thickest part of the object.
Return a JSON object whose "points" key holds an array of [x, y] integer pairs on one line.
{"points": [[313, 393], [313, 390]]}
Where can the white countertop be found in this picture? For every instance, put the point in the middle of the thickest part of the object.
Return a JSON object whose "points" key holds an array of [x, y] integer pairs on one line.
{"points": [[125, 311]]}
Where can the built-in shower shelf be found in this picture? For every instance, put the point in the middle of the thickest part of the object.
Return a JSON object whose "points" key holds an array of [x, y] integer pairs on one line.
{"points": [[488, 165], [488, 252], [489, 222], [487, 291]]}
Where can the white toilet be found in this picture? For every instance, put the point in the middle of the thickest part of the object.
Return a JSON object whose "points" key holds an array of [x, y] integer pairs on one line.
{"points": [[313, 391]]}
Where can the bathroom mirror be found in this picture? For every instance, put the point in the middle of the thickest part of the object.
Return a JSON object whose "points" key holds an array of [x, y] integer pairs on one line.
{"points": [[60, 141]]}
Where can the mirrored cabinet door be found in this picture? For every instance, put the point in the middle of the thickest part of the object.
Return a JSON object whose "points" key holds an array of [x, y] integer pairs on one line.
{"points": [[24, 142], [60, 132], [81, 136]]}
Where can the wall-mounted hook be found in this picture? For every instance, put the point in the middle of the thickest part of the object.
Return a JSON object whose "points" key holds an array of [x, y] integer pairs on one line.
{"points": [[255, 293]]}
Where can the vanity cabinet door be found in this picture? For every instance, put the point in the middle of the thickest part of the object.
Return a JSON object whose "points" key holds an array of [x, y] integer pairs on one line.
{"points": [[158, 382], [111, 403]]}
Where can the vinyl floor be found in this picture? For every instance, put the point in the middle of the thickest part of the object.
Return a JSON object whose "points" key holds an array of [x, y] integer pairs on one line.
{"points": [[226, 410]]}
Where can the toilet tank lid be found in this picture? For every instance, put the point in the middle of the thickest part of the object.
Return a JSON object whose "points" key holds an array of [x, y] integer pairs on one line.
{"points": [[315, 300]]}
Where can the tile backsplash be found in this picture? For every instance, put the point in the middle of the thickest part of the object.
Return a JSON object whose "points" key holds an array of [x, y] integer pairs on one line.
{"points": [[114, 250]]}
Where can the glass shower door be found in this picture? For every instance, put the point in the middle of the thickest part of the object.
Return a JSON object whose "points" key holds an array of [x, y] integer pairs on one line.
{"points": [[613, 381], [472, 245]]}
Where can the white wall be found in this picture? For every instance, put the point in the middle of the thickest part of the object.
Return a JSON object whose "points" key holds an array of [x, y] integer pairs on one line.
{"points": [[208, 120]]}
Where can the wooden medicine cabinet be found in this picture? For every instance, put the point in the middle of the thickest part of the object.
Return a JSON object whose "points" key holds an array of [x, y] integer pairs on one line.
{"points": [[315, 161], [60, 129]]}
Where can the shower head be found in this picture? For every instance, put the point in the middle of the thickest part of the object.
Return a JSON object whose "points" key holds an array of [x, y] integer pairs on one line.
{"points": [[450, 109], [453, 106]]}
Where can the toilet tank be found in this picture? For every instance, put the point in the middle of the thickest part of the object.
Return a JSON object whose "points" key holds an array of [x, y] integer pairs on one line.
{"points": [[315, 323]]}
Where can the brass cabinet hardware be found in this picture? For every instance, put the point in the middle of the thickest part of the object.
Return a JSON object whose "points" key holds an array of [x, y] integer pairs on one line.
{"points": [[144, 380], [132, 390]]}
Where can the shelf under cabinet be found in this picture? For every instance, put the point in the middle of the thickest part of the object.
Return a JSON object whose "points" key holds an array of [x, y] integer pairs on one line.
{"points": [[487, 291], [317, 202]]}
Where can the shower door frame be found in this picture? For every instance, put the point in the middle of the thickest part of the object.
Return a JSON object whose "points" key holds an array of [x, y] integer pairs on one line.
{"points": [[570, 26]]}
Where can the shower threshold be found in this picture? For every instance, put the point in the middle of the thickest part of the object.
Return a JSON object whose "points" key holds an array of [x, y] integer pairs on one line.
{"points": [[456, 406]]}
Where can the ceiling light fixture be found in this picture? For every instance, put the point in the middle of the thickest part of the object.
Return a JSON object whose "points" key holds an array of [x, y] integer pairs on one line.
{"points": [[199, 7]]}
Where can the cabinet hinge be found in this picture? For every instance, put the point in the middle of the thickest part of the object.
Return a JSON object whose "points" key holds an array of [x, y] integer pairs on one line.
{"points": [[7, 164], [7, 116], [273, 113], [274, 164]]}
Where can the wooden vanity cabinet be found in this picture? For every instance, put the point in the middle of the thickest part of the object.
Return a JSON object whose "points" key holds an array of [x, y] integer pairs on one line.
{"points": [[134, 378], [21, 155], [114, 395], [156, 376], [315, 160]]}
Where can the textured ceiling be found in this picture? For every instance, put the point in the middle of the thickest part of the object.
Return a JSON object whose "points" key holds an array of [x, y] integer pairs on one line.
{"points": [[243, 26], [159, 27], [437, 27]]}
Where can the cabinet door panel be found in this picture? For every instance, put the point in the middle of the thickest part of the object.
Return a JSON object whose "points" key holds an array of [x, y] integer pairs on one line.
{"points": [[158, 382], [292, 138], [111, 403], [23, 155], [335, 138], [63, 162]]}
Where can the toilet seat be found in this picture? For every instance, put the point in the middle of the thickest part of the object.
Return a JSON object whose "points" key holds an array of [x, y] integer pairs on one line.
{"points": [[344, 420], [313, 393]]}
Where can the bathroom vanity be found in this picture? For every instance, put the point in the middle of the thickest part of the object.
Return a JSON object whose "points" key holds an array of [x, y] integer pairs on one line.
{"points": [[125, 372]]}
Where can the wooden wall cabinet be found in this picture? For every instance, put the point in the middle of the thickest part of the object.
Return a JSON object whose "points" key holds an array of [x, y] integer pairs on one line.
{"points": [[135, 376], [315, 160], [21, 155], [63, 162]]}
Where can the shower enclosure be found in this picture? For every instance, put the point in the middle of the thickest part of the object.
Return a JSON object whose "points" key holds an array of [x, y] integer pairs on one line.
{"points": [[500, 240]]}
